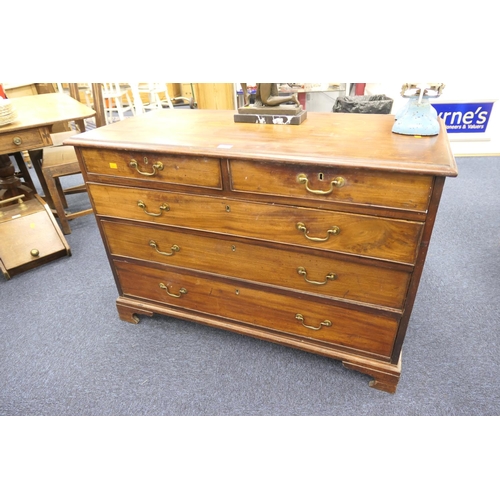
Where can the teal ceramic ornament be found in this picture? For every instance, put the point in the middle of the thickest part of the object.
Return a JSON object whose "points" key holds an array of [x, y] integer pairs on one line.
{"points": [[418, 117]]}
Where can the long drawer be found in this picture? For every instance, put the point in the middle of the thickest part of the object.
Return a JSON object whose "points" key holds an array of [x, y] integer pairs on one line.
{"points": [[391, 190], [304, 317], [383, 238], [170, 169], [323, 275]]}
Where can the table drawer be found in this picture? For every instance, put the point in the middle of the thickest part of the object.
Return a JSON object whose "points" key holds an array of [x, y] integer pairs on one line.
{"points": [[391, 190], [323, 275], [388, 239], [365, 331], [173, 169], [24, 140]]}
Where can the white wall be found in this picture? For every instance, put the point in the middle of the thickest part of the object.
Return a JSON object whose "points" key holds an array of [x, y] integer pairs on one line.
{"points": [[481, 144]]}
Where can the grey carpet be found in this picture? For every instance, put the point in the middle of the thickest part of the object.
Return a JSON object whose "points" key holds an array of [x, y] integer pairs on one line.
{"points": [[64, 351]]}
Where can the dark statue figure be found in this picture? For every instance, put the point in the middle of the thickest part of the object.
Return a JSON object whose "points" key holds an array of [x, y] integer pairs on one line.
{"points": [[268, 95], [270, 107]]}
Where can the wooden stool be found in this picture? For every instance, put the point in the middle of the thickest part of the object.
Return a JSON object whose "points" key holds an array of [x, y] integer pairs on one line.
{"points": [[53, 163]]}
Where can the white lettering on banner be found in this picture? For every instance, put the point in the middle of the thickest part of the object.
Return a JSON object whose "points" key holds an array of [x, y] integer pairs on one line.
{"points": [[466, 120], [458, 118], [482, 117], [465, 117]]}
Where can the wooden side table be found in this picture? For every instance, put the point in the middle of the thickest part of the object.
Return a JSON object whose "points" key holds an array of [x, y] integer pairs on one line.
{"points": [[35, 116], [29, 234]]}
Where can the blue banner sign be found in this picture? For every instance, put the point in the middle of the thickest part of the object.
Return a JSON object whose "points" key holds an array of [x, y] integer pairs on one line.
{"points": [[466, 118]]}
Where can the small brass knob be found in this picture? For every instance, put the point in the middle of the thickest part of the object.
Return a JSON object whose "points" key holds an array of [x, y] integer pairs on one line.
{"points": [[17, 141], [35, 252]]}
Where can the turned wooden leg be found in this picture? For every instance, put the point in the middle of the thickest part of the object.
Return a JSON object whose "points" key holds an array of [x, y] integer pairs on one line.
{"points": [[10, 184]]}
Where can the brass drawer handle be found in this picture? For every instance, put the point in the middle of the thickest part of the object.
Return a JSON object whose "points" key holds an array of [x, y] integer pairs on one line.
{"points": [[333, 230], [156, 166], [17, 141], [142, 205], [302, 271], [174, 248], [182, 291], [337, 182], [300, 318]]}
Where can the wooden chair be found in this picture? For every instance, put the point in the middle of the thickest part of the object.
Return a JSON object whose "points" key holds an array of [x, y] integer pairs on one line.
{"points": [[113, 95], [60, 161], [55, 162], [157, 95]]}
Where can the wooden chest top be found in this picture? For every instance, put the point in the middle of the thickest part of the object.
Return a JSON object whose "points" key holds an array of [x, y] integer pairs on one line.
{"points": [[329, 139]]}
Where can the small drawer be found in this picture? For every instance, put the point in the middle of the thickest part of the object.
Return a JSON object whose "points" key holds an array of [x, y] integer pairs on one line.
{"points": [[383, 238], [327, 276], [333, 184], [307, 318], [24, 140], [170, 169]]}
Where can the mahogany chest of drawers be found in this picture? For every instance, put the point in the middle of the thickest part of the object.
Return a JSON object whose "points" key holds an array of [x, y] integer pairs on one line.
{"points": [[312, 236]]}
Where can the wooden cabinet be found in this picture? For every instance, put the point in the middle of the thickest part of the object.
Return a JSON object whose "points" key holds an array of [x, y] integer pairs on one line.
{"points": [[312, 236], [215, 95]]}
